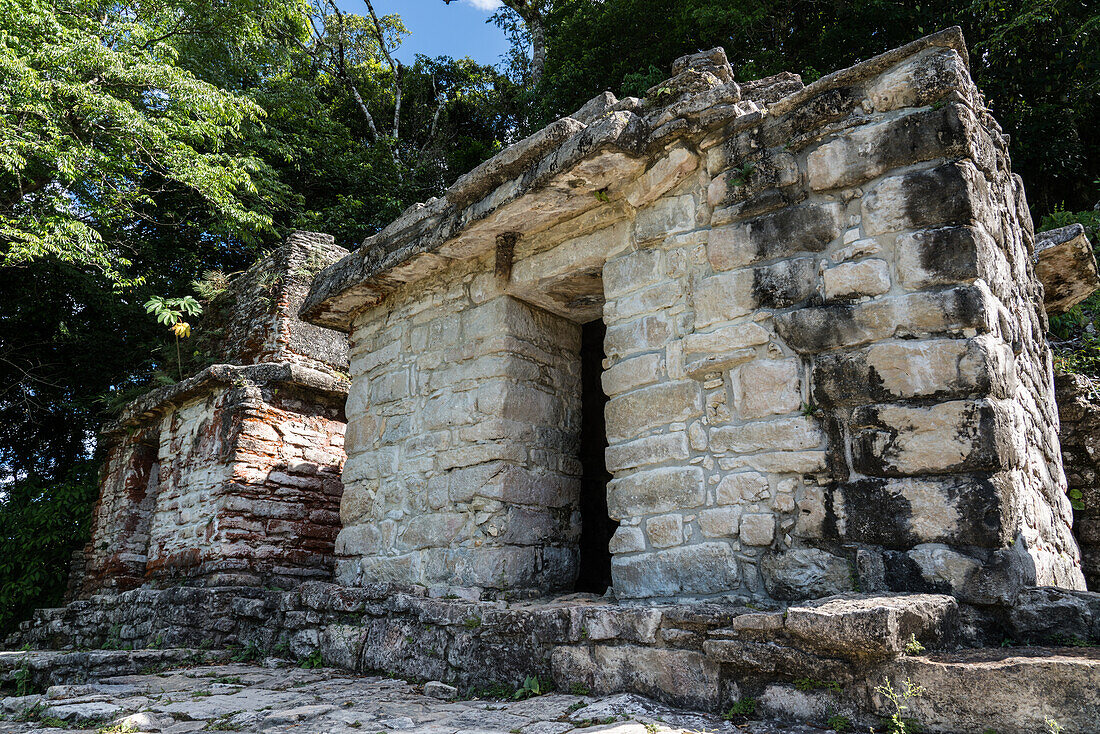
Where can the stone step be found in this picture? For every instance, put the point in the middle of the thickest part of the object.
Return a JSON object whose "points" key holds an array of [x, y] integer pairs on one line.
{"points": [[1010, 691]]}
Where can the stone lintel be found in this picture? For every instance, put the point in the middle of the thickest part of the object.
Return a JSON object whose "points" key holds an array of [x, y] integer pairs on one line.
{"points": [[562, 171]]}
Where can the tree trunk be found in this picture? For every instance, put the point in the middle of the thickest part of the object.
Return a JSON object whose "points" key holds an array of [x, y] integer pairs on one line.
{"points": [[538, 47]]}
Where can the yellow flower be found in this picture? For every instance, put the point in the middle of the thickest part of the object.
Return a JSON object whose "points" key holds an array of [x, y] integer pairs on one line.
{"points": [[181, 329]]}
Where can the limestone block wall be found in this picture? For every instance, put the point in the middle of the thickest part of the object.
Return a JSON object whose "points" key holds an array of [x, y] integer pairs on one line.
{"points": [[826, 361], [824, 348], [234, 479], [115, 557], [463, 438]]}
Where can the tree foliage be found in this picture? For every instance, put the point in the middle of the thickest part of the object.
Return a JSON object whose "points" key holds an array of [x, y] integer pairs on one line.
{"points": [[40, 524], [97, 112]]}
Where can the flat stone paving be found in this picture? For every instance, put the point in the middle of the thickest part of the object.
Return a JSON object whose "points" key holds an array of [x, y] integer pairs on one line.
{"points": [[254, 698]]}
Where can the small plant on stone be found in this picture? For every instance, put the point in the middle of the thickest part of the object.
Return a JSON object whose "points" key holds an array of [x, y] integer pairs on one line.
{"points": [[839, 723], [897, 722], [579, 689], [121, 728], [1053, 727], [212, 284], [249, 653], [223, 724], [576, 706], [170, 312], [311, 661], [472, 622], [913, 647], [531, 687], [810, 410], [744, 708], [24, 685], [601, 195], [651, 728], [741, 174]]}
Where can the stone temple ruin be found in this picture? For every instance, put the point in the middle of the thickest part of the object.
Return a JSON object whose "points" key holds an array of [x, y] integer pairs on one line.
{"points": [[693, 396]]}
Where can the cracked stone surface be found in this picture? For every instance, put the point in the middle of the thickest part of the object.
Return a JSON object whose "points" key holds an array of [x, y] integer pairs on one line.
{"points": [[278, 698]]}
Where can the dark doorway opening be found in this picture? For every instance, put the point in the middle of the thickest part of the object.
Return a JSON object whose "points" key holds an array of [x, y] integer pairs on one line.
{"points": [[596, 527]]}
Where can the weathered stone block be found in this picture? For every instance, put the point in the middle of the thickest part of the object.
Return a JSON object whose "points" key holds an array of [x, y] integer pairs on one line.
{"points": [[805, 573], [742, 488], [656, 490], [631, 373], [934, 368], [644, 334], [951, 194], [858, 155], [631, 272], [944, 256], [904, 512], [767, 387], [721, 522], [873, 627], [757, 529], [664, 217], [702, 568], [857, 279], [657, 449], [806, 228], [627, 539], [894, 440], [921, 80], [788, 434], [685, 676], [665, 530], [630, 414], [1066, 266], [948, 312]]}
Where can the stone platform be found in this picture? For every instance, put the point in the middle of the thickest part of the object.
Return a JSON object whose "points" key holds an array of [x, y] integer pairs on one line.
{"points": [[805, 662], [251, 698]]}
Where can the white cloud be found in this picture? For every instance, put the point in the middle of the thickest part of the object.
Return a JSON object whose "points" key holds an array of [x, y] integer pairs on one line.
{"points": [[486, 5]]}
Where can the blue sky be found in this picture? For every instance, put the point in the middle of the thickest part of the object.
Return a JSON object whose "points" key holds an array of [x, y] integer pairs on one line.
{"points": [[458, 29]]}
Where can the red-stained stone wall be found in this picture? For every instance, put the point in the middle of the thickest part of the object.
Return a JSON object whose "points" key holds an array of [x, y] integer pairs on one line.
{"points": [[231, 476]]}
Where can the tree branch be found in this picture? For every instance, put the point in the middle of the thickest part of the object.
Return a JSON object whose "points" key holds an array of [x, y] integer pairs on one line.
{"points": [[395, 68]]}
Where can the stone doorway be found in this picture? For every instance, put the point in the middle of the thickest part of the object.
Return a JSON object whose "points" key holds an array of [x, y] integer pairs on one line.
{"points": [[594, 559]]}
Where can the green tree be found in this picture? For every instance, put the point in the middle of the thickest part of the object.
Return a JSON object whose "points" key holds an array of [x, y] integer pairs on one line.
{"points": [[95, 108]]}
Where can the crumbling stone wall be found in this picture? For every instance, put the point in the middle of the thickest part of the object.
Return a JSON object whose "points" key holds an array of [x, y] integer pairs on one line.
{"points": [[232, 475], [115, 556], [255, 319], [1079, 411], [249, 489], [824, 344]]}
